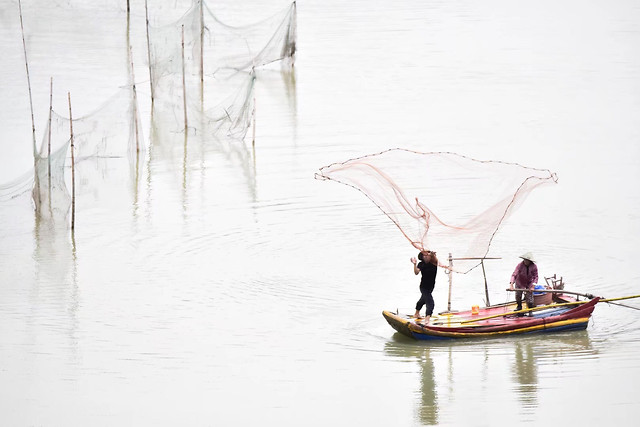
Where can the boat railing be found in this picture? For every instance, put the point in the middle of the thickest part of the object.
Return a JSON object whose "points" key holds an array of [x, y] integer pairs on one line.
{"points": [[484, 274]]}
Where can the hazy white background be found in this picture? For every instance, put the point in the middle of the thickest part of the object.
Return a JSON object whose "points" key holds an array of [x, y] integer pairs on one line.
{"points": [[233, 288]]}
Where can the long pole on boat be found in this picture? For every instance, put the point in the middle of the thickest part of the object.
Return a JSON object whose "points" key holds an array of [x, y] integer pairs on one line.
{"points": [[557, 291], [541, 307], [486, 287], [609, 301], [590, 296], [544, 307]]}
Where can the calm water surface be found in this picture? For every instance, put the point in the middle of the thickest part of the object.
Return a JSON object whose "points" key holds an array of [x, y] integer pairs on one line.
{"points": [[229, 287]]}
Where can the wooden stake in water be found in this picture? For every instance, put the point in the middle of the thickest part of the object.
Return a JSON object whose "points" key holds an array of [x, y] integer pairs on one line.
{"points": [[73, 171], [184, 85], [133, 80], [36, 179], [49, 133], [253, 112], [254, 120], [135, 102], [202, 54], [146, 12], [26, 63]]}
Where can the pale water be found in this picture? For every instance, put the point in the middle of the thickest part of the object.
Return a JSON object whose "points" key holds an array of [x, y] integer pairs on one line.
{"points": [[232, 288]]}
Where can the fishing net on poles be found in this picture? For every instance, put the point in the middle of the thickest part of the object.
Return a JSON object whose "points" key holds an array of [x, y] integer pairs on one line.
{"points": [[205, 88], [441, 201], [111, 132], [202, 69]]}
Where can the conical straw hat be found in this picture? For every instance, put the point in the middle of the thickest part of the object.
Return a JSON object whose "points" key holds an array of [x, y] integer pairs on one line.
{"points": [[528, 256]]}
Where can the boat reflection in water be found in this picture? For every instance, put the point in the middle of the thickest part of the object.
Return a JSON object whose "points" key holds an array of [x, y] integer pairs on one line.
{"points": [[402, 347], [459, 381]]}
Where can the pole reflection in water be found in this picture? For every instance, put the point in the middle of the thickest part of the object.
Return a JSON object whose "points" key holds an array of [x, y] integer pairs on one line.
{"points": [[427, 405], [54, 299], [428, 409], [525, 372]]}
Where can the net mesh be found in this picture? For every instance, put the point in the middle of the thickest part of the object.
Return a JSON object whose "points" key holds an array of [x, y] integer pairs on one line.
{"points": [[202, 70], [113, 131], [441, 201], [202, 79]]}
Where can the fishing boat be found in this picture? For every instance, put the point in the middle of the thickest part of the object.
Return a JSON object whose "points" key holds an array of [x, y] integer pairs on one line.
{"points": [[463, 203], [555, 310], [499, 320]]}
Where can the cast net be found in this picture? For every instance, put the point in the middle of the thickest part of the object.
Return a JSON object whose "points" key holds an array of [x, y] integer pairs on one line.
{"points": [[441, 201]]}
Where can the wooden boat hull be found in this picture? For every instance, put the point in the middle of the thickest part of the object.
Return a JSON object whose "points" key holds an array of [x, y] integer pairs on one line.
{"points": [[490, 322]]}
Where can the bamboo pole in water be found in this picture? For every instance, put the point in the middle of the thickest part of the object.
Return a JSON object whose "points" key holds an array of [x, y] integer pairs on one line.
{"points": [[133, 79], [253, 112], [254, 120], [73, 171], [36, 192], [26, 63], [146, 12], [49, 133], [184, 86], [202, 54], [135, 102]]}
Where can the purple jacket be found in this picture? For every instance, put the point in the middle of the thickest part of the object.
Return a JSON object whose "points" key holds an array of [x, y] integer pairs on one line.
{"points": [[525, 276]]}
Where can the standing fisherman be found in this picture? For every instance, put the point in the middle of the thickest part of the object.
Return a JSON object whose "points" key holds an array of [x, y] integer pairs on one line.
{"points": [[525, 278], [428, 265]]}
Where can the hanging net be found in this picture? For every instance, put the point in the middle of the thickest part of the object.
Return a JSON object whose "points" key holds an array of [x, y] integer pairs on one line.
{"points": [[202, 70], [113, 131], [442, 202], [202, 76]]}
